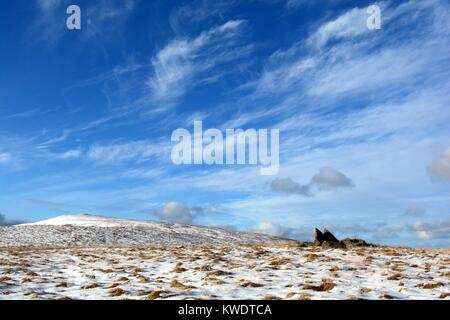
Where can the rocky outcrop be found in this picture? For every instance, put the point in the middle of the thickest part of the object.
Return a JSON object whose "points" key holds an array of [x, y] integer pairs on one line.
{"points": [[327, 240], [352, 243], [328, 236], [320, 237], [333, 245]]}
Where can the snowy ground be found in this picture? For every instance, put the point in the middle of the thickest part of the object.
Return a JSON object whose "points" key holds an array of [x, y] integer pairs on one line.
{"points": [[277, 271]]}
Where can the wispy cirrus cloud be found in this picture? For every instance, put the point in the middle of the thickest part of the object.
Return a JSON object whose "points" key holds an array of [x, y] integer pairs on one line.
{"points": [[119, 152], [187, 62], [350, 24]]}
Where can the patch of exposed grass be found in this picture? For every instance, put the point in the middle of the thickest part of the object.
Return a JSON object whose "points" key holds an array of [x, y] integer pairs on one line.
{"points": [[279, 262], [90, 286], [326, 285], [290, 295], [116, 292], [395, 277], [430, 285], [154, 295], [249, 284]]}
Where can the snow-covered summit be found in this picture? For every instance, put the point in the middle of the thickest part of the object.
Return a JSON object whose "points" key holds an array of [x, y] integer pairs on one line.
{"points": [[87, 220]]}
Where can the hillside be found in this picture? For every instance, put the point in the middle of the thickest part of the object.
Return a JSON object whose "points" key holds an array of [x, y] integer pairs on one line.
{"points": [[87, 230]]}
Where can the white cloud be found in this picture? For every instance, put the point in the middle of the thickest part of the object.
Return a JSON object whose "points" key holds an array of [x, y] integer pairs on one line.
{"points": [[383, 231], [179, 213], [351, 24], [270, 229], [440, 167], [433, 230], [5, 158], [277, 230], [186, 62], [122, 152], [330, 179], [326, 179], [289, 186], [70, 154]]}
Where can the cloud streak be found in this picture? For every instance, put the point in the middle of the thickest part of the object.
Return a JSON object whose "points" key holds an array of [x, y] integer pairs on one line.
{"points": [[187, 62]]}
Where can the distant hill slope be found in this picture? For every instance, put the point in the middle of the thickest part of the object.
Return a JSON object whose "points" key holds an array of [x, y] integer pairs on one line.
{"points": [[87, 230]]}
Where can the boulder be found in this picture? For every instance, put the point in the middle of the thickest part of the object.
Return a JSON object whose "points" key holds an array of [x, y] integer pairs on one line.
{"points": [[318, 238], [333, 245], [328, 236]]}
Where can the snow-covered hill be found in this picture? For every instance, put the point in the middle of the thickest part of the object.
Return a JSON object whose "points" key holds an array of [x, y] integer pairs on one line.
{"points": [[87, 230]]}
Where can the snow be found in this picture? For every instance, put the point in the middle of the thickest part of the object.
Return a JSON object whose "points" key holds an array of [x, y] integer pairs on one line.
{"points": [[88, 257], [87, 230], [86, 220], [275, 271]]}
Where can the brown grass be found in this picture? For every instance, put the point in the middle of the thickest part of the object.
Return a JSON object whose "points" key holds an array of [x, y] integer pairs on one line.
{"points": [[290, 295], [177, 284], [62, 285], [205, 267], [304, 296], [217, 273], [386, 296], [444, 295], [154, 295], [326, 285], [271, 298], [178, 269], [310, 257], [116, 292], [279, 262], [395, 277], [5, 279], [106, 270], [249, 284], [25, 280], [334, 269], [430, 285], [90, 286]]}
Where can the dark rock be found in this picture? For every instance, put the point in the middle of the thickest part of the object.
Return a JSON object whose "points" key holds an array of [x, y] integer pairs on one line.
{"points": [[352, 243], [318, 237], [328, 236], [333, 245]]}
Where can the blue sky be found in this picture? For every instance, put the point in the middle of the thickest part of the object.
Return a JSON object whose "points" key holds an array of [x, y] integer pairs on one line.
{"points": [[86, 115]]}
